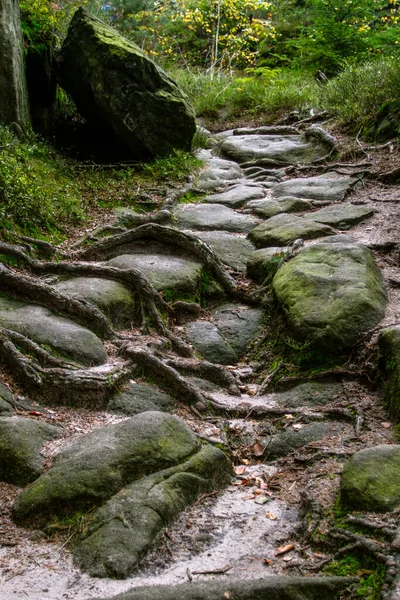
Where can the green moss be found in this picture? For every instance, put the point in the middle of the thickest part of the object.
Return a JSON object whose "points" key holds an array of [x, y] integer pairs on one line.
{"points": [[372, 574]]}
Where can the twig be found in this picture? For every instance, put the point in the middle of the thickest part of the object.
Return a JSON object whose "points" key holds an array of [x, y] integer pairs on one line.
{"points": [[269, 378], [213, 571]]}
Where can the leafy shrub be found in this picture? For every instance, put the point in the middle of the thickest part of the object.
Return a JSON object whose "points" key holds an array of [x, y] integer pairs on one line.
{"points": [[37, 187], [360, 95]]}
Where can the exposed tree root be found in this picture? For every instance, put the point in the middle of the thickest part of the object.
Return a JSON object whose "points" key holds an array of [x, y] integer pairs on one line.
{"points": [[167, 235], [91, 386], [27, 288], [168, 377], [214, 373]]}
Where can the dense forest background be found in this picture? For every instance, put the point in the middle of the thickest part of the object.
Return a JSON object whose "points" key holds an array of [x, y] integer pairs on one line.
{"points": [[240, 62]]}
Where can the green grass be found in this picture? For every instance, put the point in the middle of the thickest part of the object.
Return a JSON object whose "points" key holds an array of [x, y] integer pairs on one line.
{"points": [[45, 195], [363, 95], [257, 93]]}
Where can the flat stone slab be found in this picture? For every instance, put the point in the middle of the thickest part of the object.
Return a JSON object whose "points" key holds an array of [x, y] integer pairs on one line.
{"points": [[284, 229], [311, 394], [43, 327], [97, 465], [285, 149], [163, 271], [139, 397], [208, 341], [217, 172], [331, 294], [238, 324], [290, 440], [330, 187], [232, 250], [370, 480], [225, 338], [342, 216], [109, 296], [270, 207], [277, 587], [21, 441], [237, 195], [113, 545], [213, 217]]}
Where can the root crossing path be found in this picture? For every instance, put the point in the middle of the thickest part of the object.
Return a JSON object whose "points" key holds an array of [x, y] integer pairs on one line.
{"points": [[189, 395]]}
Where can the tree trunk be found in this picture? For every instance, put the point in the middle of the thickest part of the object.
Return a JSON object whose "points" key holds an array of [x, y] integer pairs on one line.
{"points": [[14, 105]]}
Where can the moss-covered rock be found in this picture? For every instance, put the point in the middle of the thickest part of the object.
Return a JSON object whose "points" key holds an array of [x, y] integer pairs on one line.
{"points": [[389, 347], [138, 398], [370, 480], [21, 441], [96, 466], [283, 229], [122, 530], [331, 293], [118, 88], [62, 335], [6, 400], [109, 296]]}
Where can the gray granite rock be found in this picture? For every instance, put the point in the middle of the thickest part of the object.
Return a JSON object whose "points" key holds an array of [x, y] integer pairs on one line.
{"points": [[97, 465], [139, 397], [62, 335], [21, 441], [331, 294], [370, 480], [284, 229], [330, 187], [109, 296], [6, 400], [284, 443], [163, 271], [264, 263], [213, 217], [238, 324], [342, 216], [311, 394], [284, 149], [270, 207], [236, 196], [208, 341], [232, 250]]}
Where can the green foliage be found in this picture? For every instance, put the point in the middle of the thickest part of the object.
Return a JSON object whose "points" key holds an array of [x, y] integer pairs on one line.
{"points": [[178, 165], [37, 187], [371, 573], [364, 95], [261, 92]]}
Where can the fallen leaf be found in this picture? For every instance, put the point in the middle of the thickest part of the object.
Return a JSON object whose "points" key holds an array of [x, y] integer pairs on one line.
{"points": [[249, 497], [258, 449], [240, 470], [246, 461], [297, 426], [385, 425], [271, 516], [227, 595], [35, 413], [258, 492], [267, 561], [287, 558], [289, 416], [283, 549]]}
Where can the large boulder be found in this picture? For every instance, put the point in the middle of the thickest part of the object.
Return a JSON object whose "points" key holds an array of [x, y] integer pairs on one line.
{"points": [[113, 544], [21, 442], [389, 350], [119, 89], [14, 106], [96, 466], [331, 293], [370, 480]]}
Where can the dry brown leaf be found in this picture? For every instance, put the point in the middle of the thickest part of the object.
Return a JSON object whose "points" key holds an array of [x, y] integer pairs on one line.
{"points": [[271, 516], [284, 549], [258, 449], [227, 595], [289, 416], [385, 425], [249, 497], [240, 470], [267, 561]]}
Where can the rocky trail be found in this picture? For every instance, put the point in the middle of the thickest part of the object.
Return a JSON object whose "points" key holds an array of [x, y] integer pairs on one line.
{"points": [[186, 391]]}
